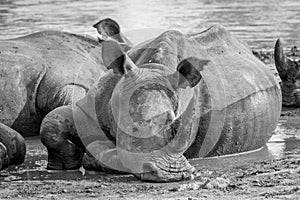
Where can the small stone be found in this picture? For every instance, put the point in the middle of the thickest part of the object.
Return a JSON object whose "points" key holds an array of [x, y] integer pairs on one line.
{"points": [[221, 183], [209, 186], [174, 189], [218, 183], [89, 190], [188, 186], [82, 170]]}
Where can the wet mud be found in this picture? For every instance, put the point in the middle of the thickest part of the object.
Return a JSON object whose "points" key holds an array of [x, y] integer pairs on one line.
{"points": [[270, 172]]}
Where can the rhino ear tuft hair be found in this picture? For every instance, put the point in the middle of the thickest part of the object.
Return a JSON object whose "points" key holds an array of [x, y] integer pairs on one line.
{"points": [[190, 69], [113, 56]]}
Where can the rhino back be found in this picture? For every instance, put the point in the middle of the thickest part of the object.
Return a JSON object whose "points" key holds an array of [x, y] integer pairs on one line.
{"points": [[69, 58], [44, 63], [241, 97], [245, 96], [233, 72], [20, 76]]}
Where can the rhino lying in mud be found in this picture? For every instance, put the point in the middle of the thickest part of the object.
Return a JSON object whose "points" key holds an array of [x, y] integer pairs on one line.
{"points": [[289, 72], [165, 101], [38, 73]]}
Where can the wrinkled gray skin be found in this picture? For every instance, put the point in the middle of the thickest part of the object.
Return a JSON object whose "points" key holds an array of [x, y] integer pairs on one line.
{"points": [[39, 73], [172, 98], [289, 72]]}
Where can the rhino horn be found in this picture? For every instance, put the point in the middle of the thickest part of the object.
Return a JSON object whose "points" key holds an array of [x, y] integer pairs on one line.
{"points": [[280, 59]]}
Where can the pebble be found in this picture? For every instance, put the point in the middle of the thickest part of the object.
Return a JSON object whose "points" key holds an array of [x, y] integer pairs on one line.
{"points": [[89, 190], [217, 183]]}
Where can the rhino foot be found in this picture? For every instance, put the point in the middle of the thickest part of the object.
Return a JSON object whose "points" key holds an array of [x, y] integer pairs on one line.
{"points": [[4, 160], [66, 158], [12, 147], [65, 149], [89, 162]]}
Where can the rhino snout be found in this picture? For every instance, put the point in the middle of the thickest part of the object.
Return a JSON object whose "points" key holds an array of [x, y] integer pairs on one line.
{"points": [[167, 169]]}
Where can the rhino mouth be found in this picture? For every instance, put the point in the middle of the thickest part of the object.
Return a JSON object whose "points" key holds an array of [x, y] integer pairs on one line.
{"points": [[167, 168]]}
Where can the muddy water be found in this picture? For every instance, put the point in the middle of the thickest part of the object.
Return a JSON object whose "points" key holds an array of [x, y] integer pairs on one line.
{"points": [[283, 143], [34, 166], [257, 22]]}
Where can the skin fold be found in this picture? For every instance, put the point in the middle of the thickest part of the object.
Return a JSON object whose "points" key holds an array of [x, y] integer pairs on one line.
{"points": [[154, 106], [176, 97], [39, 73]]}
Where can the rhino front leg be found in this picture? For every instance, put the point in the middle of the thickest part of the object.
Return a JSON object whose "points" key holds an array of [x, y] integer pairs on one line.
{"points": [[12, 147], [103, 156], [4, 160], [58, 134], [101, 153]]}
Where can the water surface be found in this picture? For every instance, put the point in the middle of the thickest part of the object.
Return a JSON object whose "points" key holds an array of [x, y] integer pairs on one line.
{"points": [[34, 166], [258, 22]]}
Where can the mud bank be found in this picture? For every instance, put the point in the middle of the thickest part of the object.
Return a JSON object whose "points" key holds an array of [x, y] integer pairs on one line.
{"points": [[270, 178], [274, 177], [278, 179]]}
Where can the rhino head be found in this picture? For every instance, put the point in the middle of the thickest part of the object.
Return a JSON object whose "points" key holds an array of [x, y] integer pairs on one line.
{"points": [[289, 72], [153, 114]]}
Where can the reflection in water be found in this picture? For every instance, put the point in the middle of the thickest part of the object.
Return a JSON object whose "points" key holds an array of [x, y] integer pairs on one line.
{"points": [[257, 22], [276, 149], [34, 167]]}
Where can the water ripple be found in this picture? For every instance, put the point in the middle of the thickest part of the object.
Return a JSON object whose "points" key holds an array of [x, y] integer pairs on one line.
{"points": [[257, 22]]}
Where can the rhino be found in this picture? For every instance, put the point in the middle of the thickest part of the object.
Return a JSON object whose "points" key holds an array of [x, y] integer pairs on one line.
{"points": [[165, 101], [289, 72], [38, 73]]}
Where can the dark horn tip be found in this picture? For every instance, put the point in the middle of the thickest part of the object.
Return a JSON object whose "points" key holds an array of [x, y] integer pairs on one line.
{"points": [[278, 51], [280, 59], [278, 43]]}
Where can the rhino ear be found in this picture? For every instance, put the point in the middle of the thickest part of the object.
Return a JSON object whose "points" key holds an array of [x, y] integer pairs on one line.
{"points": [[189, 70], [115, 58], [107, 27]]}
